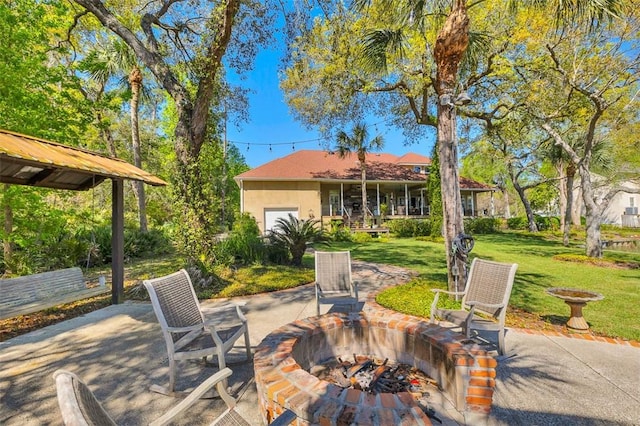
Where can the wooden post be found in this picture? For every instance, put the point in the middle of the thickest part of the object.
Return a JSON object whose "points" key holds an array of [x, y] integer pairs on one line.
{"points": [[117, 241]]}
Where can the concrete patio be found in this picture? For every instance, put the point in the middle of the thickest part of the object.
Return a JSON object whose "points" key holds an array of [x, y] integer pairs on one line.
{"points": [[119, 351]]}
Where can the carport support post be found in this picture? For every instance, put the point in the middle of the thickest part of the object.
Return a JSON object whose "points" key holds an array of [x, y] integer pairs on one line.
{"points": [[117, 241]]}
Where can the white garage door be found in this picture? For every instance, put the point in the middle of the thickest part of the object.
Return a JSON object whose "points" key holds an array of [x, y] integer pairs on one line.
{"points": [[271, 215]]}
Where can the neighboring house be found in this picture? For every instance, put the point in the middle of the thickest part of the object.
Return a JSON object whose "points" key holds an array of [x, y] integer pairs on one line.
{"points": [[623, 209], [321, 185]]}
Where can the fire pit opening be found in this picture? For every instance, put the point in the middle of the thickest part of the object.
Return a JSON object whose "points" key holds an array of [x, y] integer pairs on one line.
{"points": [[346, 368], [375, 376]]}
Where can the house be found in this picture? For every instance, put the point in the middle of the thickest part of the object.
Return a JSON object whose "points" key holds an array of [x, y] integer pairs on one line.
{"points": [[622, 207], [321, 185]]}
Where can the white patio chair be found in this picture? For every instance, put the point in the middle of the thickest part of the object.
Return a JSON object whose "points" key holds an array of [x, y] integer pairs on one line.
{"points": [[79, 406], [187, 333], [487, 291], [333, 279]]}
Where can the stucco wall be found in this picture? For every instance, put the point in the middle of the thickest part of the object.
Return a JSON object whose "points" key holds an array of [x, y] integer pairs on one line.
{"points": [[613, 214], [303, 196]]}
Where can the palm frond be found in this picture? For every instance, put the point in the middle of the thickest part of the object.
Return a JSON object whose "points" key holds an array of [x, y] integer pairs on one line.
{"points": [[377, 44], [476, 50], [594, 13]]}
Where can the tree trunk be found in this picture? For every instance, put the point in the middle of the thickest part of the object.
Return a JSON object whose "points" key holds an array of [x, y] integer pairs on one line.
{"points": [[106, 134], [533, 227], [192, 111], [525, 201], [593, 214], [223, 188], [562, 192], [451, 44], [576, 211], [507, 206], [566, 229], [135, 80]]}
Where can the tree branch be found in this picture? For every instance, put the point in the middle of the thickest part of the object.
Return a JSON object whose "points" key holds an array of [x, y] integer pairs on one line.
{"points": [[215, 53]]}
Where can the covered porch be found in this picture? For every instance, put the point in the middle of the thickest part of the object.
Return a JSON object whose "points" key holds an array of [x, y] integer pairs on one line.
{"points": [[385, 200]]}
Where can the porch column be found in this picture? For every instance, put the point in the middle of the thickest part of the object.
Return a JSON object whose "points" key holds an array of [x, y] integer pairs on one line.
{"points": [[422, 201], [492, 205], [117, 241], [342, 199], [406, 199], [378, 197], [473, 205]]}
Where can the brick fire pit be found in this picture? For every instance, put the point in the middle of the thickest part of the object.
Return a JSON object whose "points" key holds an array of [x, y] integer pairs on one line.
{"points": [[283, 359]]}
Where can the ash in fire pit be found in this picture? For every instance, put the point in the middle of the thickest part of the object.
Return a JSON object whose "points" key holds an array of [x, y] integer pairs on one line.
{"points": [[375, 376]]}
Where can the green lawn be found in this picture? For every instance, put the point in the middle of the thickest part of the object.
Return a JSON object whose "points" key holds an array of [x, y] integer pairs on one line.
{"points": [[618, 315]]}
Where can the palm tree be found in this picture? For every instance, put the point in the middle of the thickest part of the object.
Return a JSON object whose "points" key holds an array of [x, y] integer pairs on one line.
{"points": [[295, 234], [103, 63], [449, 50], [359, 143]]}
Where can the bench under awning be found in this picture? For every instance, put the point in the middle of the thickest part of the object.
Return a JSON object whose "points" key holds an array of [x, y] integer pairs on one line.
{"points": [[31, 161]]}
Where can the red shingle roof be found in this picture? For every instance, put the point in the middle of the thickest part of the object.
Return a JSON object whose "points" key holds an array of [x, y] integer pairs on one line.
{"points": [[308, 165], [313, 165], [414, 159]]}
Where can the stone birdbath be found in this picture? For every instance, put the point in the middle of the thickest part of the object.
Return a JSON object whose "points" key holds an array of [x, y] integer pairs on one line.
{"points": [[576, 299]]}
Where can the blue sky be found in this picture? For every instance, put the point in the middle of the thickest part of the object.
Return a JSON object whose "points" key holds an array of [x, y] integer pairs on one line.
{"points": [[273, 133]]}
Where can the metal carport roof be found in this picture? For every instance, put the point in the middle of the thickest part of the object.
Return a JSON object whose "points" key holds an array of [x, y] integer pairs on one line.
{"points": [[26, 160]]}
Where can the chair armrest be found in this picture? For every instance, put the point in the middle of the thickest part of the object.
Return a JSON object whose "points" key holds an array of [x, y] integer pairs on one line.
{"points": [[183, 329], [195, 395], [221, 308], [454, 293], [208, 313], [488, 305], [434, 304]]}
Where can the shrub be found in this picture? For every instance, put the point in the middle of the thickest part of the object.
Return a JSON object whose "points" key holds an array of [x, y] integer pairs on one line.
{"points": [[405, 228], [481, 225], [295, 234], [243, 246], [547, 223], [146, 244], [361, 237], [421, 228], [518, 222], [402, 228], [339, 232], [137, 244], [277, 254], [436, 226]]}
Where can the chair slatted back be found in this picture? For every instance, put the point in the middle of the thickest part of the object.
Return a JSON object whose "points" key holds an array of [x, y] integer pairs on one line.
{"points": [[489, 283], [177, 300], [78, 404], [333, 271]]}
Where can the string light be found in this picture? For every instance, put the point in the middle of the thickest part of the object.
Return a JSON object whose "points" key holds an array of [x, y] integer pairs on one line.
{"points": [[320, 141]]}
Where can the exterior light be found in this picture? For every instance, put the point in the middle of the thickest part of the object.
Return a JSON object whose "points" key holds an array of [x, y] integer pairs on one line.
{"points": [[463, 99]]}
